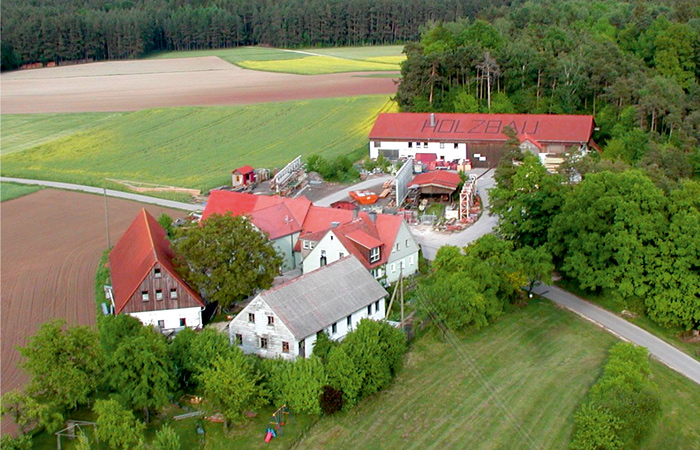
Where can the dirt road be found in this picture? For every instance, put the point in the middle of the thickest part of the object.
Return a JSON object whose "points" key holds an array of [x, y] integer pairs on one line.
{"points": [[51, 244]]}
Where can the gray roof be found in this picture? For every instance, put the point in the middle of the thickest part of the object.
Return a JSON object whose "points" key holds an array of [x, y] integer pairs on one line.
{"points": [[314, 301]]}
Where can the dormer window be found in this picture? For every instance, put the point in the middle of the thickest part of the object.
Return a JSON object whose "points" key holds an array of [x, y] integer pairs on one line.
{"points": [[374, 255], [306, 245]]}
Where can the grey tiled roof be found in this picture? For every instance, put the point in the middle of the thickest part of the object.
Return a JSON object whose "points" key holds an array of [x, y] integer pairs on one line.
{"points": [[320, 298]]}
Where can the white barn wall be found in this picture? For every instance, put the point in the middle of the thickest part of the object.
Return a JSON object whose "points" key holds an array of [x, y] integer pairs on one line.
{"points": [[333, 248], [406, 254], [192, 316], [444, 150]]}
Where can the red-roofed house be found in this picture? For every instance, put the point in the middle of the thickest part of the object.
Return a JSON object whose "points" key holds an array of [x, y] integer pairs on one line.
{"points": [[144, 281], [477, 137], [243, 176], [438, 182], [310, 236]]}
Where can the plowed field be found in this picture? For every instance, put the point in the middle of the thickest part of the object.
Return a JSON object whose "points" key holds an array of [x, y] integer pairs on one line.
{"points": [[135, 85], [51, 244]]}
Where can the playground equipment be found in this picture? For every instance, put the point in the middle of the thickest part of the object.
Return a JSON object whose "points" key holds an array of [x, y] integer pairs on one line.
{"points": [[277, 422]]}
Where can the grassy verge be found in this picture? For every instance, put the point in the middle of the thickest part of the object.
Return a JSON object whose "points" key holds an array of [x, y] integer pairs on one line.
{"points": [[535, 367], [670, 335], [101, 279], [24, 131], [198, 147], [318, 65], [10, 191]]}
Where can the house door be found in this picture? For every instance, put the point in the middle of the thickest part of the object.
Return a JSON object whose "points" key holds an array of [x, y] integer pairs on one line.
{"points": [[302, 349], [161, 324]]}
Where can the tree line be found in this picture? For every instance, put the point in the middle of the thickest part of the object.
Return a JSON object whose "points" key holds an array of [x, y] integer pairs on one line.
{"points": [[635, 66], [58, 31]]}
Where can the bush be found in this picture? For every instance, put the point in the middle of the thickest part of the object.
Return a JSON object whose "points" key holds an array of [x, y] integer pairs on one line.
{"points": [[331, 400]]}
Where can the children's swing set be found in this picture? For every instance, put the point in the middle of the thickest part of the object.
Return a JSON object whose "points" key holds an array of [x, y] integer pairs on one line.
{"points": [[277, 422]]}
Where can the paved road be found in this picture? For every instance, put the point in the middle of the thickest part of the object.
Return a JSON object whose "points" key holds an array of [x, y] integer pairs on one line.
{"points": [[666, 353], [430, 242], [340, 195], [110, 192]]}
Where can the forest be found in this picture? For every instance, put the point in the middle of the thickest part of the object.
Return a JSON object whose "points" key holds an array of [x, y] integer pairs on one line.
{"points": [[89, 30]]}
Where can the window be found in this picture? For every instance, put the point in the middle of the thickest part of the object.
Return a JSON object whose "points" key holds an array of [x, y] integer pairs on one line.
{"points": [[173, 294], [410, 260], [144, 296], [239, 339], [311, 244], [369, 310], [183, 322], [285, 347], [402, 264], [442, 145], [398, 246], [456, 145], [393, 267], [156, 273], [417, 144], [263, 342], [410, 145], [406, 243], [306, 245], [374, 255], [377, 144], [349, 322], [323, 260], [159, 294], [425, 144], [334, 328], [341, 255], [270, 321], [251, 317], [161, 324], [376, 306]]}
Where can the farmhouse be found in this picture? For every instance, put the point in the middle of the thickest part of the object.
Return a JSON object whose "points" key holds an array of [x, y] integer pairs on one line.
{"points": [[311, 236], [145, 283], [284, 321], [477, 137]]}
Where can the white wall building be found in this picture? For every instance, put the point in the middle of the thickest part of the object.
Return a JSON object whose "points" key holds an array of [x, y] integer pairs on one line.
{"points": [[284, 321]]}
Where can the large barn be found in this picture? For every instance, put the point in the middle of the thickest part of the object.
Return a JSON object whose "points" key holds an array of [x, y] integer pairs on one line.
{"points": [[477, 137]]}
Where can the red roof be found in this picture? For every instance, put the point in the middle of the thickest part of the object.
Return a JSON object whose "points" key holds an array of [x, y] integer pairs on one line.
{"points": [[442, 178], [535, 142], [244, 170], [364, 239], [142, 246], [482, 127]]}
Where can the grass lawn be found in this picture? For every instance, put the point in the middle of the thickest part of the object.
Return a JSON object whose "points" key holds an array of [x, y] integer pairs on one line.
{"points": [[670, 335], [9, 191], [323, 60], [197, 147], [23, 131], [535, 366]]}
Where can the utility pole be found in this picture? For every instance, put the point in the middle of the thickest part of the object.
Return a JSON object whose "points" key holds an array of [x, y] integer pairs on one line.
{"points": [[109, 243]]}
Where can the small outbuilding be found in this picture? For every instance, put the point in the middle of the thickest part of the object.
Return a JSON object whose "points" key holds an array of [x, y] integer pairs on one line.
{"points": [[436, 183], [285, 321], [243, 176]]}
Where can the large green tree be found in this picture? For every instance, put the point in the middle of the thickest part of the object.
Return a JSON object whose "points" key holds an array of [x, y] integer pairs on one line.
{"points": [[226, 258], [64, 363], [141, 372], [608, 231], [117, 426]]}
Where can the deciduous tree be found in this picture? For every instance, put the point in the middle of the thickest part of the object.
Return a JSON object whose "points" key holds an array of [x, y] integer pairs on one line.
{"points": [[117, 426]]}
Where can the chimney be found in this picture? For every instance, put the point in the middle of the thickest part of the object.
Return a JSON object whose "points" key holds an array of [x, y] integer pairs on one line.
{"points": [[373, 216], [335, 224], [354, 213], [432, 119]]}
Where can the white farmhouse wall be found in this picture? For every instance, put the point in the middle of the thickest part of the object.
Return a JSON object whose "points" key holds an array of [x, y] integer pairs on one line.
{"points": [[251, 332], [402, 255], [444, 150], [333, 248], [171, 317]]}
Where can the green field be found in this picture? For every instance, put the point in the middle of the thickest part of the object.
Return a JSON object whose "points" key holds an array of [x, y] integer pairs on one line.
{"points": [[535, 367], [197, 147], [313, 62], [9, 191], [23, 131]]}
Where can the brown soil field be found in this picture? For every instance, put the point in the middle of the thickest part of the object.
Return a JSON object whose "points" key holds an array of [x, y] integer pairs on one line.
{"points": [[51, 244], [134, 85]]}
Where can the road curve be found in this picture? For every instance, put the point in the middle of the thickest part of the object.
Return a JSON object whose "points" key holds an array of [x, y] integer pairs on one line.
{"points": [[659, 349], [97, 190]]}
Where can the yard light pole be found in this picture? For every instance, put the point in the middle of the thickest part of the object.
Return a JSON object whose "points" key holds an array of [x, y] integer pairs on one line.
{"points": [[109, 244]]}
